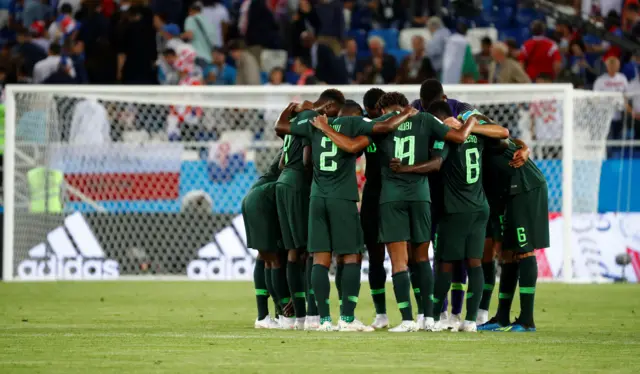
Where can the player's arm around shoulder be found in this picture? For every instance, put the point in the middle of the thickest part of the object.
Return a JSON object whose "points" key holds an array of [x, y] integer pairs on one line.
{"points": [[344, 142], [488, 128], [392, 123], [293, 114], [439, 153]]}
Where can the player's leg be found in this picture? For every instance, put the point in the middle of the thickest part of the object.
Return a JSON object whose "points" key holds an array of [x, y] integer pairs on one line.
{"points": [[473, 254], [281, 287], [532, 230], [313, 319], [263, 321], [295, 279], [369, 219], [414, 274], [338, 278], [347, 241], [395, 230], [450, 248], [458, 287], [320, 247], [420, 216], [489, 272]]}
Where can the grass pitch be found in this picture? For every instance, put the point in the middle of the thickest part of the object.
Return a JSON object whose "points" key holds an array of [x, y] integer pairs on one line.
{"points": [[185, 327]]}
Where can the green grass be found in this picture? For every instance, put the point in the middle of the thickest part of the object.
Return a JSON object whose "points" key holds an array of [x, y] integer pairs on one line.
{"points": [[183, 327]]}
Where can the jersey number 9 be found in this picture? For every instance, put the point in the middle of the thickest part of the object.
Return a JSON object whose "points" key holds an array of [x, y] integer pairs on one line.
{"points": [[408, 142]]}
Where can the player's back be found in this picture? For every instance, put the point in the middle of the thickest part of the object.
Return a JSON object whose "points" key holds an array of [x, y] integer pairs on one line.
{"points": [[293, 172], [524, 178], [334, 170], [409, 143], [461, 175]]}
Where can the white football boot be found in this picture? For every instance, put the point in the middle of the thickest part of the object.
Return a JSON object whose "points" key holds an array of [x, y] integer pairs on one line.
{"points": [[483, 317], [454, 322], [312, 323], [440, 326], [420, 320], [326, 326], [428, 324], [405, 326], [266, 323], [467, 326], [354, 326], [380, 322], [299, 324], [287, 323]]}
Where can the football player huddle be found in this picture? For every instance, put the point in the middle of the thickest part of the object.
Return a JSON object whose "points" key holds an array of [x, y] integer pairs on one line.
{"points": [[438, 172]]}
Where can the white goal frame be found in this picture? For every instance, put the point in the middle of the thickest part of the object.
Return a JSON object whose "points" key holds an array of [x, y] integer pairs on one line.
{"points": [[170, 94]]}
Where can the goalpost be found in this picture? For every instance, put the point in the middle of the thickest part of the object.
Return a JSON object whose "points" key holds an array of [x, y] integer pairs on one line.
{"points": [[113, 182]]}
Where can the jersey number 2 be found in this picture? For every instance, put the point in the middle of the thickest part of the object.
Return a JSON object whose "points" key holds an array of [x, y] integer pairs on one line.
{"points": [[400, 148], [473, 165], [326, 164]]}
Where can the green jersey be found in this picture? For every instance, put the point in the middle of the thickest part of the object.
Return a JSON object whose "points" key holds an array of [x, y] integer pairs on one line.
{"points": [[294, 173], [462, 177], [334, 171], [272, 173], [372, 171], [409, 143], [515, 180]]}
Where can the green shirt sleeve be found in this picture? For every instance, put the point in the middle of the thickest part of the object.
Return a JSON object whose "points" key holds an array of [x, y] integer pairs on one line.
{"points": [[440, 148], [301, 124]]}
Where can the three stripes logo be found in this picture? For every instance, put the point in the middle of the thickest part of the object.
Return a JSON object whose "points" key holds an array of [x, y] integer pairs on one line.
{"points": [[71, 252], [226, 257]]}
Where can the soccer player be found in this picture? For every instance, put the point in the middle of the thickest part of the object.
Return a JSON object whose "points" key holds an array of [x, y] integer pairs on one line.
{"points": [[526, 228], [292, 195], [334, 224], [462, 227], [263, 233], [369, 217]]}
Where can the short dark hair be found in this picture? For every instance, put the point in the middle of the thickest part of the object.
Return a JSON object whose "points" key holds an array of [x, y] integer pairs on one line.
{"points": [[196, 6], [440, 109], [353, 105], [431, 90], [55, 48], [304, 60], [235, 45], [391, 99], [579, 43], [538, 28], [66, 8], [462, 28], [168, 52], [333, 95], [486, 40], [371, 97]]}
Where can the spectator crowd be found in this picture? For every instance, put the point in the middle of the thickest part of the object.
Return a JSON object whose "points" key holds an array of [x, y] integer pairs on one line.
{"points": [[306, 42]]}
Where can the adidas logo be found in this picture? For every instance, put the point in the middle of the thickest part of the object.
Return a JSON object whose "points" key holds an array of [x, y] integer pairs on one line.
{"points": [[226, 257], [75, 254]]}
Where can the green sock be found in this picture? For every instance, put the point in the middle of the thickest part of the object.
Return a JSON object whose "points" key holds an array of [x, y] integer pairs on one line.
{"points": [[474, 292], [402, 287], [377, 281], [426, 287], [339, 271], [269, 283], [414, 274], [528, 278], [296, 288], [322, 289], [508, 283], [312, 307], [279, 279], [350, 291], [489, 271], [440, 290], [262, 294]]}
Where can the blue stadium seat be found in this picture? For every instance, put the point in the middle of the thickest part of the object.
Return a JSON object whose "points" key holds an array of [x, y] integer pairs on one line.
{"points": [[390, 37], [509, 33], [291, 77], [264, 77], [525, 16], [398, 54], [361, 38], [500, 18]]}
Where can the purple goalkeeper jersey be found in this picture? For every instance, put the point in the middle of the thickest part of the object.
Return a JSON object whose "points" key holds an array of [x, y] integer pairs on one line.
{"points": [[457, 107]]}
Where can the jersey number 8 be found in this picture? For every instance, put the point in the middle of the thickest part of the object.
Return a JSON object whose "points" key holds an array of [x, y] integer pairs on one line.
{"points": [[326, 164], [473, 165]]}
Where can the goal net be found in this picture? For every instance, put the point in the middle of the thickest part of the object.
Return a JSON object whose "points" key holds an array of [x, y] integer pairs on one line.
{"points": [[116, 182]]}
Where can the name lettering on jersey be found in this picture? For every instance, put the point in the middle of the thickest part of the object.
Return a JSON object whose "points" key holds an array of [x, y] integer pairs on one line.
{"points": [[406, 126], [336, 127], [471, 139]]}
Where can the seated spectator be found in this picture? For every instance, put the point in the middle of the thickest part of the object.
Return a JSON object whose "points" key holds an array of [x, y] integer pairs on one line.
{"points": [[505, 70], [167, 74], [348, 61], [53, 63], [439, 37], [416, 68], [322, 60], [540, 54], [613, 81], [219, 72], [27, 51], [200, 33], [276, 77], [302, 67], [37, 30], [380, 67], [483, 59], [247, 67]]}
